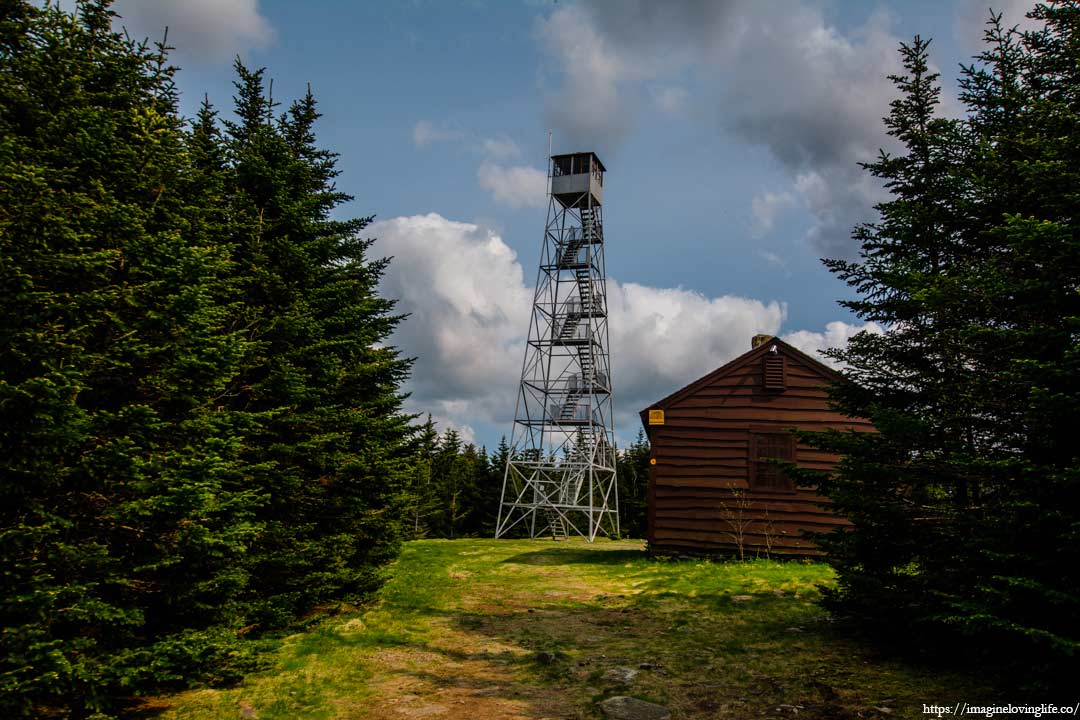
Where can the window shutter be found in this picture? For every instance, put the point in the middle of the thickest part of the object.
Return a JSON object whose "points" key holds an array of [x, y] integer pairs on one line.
{"points": [[773, 372]]}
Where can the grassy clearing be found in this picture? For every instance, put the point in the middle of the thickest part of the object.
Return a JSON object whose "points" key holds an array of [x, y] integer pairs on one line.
{"points": [[484, 629]]}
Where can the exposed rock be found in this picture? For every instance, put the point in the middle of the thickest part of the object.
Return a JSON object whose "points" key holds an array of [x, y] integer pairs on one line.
{"points": [[622, 707], [742, 598], [621, 674], [545, 657]]}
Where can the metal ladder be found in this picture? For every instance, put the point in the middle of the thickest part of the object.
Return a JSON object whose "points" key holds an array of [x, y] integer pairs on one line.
{"points": [[557, 522]]}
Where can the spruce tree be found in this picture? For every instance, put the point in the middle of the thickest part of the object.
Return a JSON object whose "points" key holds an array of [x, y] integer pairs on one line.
{"points": [[327, 442], [965, 500], [489, 490], [633, 478], [121, 521], [201, 425], [421, 499]]}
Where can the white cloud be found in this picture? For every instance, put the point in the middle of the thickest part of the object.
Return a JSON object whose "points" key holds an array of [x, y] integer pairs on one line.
{"points": [[216, 30], [664, 338], [425, 133], [469, 309], [836, 335], [516, 186], [766, 207], [469, 305]]}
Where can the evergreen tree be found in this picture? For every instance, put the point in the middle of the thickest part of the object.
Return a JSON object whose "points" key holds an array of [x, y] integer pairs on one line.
{"points": [[633, 481], [201, 425], [327, 443], [469, 469], [121, 518], [445, 478], [490, 491], [965, 501], [422, 502]]}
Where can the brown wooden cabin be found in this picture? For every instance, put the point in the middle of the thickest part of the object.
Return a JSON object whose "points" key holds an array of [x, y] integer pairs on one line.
{"points": [[710, 487]]}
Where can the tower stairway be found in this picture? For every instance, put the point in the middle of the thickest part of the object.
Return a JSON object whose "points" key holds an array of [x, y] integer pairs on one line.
{"points": [[568, 257], [557, 523]]}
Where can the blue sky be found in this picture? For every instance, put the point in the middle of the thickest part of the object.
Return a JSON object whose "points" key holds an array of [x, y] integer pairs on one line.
{"points": [[731, 132]]}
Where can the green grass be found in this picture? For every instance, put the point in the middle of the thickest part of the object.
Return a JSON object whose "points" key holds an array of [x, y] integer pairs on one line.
{"points": [[479, 629]]}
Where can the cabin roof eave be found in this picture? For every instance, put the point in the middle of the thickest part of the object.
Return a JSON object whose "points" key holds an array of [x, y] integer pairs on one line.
{"points": [[683, 392]]}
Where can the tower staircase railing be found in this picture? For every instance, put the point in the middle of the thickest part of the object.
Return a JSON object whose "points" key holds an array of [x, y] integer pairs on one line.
{"points": [[574, 253], [587, 379], [590, 229], [575, 307]]}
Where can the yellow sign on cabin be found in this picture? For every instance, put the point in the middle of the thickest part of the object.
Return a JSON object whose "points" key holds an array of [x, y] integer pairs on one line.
{"points": [[656, 417]]}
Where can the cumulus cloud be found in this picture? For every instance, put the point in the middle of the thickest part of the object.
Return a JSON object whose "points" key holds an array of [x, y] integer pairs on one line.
{"points": [[515, 185], [469, 312], [216, 30], [662, 338], [836, 335], [469, 306], [813, 96]]}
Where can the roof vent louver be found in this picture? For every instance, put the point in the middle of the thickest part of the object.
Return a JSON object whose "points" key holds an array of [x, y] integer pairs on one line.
{"points": [[773, 376]]}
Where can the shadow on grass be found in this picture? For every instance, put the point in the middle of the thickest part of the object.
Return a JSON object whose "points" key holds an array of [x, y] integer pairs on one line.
{"points": [[562, 555]]}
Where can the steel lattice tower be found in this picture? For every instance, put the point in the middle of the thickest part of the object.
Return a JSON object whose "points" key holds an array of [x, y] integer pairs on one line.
{"points": [[560, 475]]}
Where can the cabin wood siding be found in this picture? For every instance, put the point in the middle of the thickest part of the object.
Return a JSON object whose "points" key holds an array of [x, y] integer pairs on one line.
{"points": [[700, 498]]}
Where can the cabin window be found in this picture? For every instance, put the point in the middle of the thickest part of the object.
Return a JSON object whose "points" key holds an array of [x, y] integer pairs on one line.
{"points": [[772, 371], [765, 475]]}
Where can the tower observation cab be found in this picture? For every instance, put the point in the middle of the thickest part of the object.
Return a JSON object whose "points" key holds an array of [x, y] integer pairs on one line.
{"points": [[577, 180], [560, 474]]}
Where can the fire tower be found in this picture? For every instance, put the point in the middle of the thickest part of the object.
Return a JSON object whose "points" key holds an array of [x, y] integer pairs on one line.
{"points": [[560, 476]]}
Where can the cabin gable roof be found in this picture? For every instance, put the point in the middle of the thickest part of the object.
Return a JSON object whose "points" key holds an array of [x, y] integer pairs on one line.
{"points": [[827, 373]]}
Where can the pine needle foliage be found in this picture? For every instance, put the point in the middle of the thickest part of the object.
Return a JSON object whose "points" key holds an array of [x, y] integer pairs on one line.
{"points": [[966, 500], [199, 417]]}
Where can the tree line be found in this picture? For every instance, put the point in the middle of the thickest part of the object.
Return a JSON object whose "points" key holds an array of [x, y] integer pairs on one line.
{"points": [[455, 490]]}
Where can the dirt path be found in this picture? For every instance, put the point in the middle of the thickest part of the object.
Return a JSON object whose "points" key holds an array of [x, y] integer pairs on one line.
{"points": [[527, 630], [472, 668]]}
